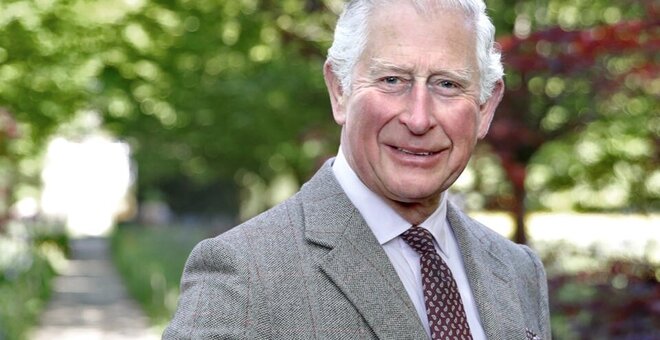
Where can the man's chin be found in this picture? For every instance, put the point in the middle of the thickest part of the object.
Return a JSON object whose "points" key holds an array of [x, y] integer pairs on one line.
{"points": [[413, 196]]}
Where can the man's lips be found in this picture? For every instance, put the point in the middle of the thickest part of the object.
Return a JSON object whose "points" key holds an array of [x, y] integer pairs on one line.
{"points": [[415, 152], [415, 157]]}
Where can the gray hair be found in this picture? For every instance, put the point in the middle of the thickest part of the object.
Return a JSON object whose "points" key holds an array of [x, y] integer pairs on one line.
{"points": [[351, 33]]}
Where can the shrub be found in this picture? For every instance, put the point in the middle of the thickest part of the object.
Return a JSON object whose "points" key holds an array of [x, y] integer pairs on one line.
{"points": [[27, 261], [602, 298]]}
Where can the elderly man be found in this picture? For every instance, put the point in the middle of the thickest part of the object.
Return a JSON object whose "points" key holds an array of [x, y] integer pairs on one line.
{"points": [[370, 248]]}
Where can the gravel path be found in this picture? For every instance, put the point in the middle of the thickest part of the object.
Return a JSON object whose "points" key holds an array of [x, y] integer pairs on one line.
{"points": [[89, 300]]}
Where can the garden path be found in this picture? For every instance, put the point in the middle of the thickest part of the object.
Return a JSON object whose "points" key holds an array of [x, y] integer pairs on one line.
{"points": [[89, 300]]}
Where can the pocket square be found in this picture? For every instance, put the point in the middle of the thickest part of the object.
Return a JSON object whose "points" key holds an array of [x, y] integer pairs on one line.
{"points": [[529, 335]]}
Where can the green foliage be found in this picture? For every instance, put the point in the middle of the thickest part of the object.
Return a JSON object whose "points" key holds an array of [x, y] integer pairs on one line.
{"points": [[23, 297], [151, 261], [200, 89], [27, 268], [213, 93]]}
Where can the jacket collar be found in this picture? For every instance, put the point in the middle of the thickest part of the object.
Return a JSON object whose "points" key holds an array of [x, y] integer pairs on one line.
{"points": [[358, 266], [355, 261], [490, 276]]}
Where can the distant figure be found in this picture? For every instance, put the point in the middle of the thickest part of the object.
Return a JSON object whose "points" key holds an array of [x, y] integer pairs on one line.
{"points": [[370, 248], [155, 213]]}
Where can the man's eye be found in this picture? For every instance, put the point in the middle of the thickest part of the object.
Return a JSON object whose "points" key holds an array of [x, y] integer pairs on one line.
{"points": [[391, 80], [447, 84]]}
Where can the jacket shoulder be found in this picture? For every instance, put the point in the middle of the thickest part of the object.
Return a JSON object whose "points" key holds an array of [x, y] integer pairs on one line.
{"points": [[266, 227]]}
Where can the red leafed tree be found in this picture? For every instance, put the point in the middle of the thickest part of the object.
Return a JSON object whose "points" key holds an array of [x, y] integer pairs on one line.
{"points": [[516, 133]]}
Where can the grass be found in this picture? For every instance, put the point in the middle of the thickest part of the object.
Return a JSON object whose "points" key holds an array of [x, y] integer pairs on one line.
{"points": [[151, 260]]}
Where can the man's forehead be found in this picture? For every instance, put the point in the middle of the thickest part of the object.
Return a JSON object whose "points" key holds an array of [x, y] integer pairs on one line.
{"points": [[385, 18], [430, 9]]}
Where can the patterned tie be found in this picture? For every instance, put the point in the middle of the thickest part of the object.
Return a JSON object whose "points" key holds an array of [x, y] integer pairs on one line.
{"points": [[444, 308]]}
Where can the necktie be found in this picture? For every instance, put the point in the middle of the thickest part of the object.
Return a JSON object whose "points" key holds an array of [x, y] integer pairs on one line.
{"points": [[444, 307]]}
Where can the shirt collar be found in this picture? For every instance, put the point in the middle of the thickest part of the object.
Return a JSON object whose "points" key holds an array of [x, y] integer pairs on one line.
{"points": [[385, 223]]}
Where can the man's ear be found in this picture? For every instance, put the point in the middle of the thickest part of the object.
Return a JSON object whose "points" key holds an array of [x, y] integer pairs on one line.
{"points": [[487, 109], [336, 93]]}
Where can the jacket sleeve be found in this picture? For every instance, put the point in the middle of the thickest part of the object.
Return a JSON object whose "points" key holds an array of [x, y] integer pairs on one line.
{"points": [[214, 302]]}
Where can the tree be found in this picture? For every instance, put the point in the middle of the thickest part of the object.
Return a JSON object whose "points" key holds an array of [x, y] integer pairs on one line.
{"points": [[201, 89], [562, 82], [212, 94]]}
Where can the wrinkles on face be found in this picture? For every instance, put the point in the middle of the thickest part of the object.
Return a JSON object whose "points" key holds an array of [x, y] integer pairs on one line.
{"points": [[400, 78], [413, 111]]}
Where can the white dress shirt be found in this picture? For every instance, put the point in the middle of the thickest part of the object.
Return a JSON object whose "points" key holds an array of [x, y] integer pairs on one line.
{"points": [[387, 225]]}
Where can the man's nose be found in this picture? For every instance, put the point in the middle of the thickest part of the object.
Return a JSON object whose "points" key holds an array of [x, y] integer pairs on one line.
{"points": [[419, 116]]}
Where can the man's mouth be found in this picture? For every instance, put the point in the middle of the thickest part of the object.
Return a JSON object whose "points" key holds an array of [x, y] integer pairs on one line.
{"points": [[415, 153]]}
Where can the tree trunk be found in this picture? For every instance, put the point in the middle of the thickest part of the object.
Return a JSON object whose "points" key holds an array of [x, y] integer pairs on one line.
{"points": [[517, 172], [520, 232]]}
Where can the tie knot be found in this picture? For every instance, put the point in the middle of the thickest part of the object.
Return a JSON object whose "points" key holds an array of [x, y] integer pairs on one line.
{"points": [[419, 239]]}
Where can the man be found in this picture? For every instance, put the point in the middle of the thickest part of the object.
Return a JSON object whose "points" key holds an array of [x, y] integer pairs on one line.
{"points": [[370, 248]]}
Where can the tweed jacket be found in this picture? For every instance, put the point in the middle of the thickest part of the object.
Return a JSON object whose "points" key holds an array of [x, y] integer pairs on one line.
{"points": [[310, 268]]}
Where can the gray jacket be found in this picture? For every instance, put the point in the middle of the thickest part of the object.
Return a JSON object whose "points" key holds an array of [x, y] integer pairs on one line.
{"points": [[310, 268]]}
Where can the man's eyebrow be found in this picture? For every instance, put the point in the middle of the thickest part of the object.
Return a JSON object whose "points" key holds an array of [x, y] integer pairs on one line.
{"points": [[462, 75], [378, 66]]}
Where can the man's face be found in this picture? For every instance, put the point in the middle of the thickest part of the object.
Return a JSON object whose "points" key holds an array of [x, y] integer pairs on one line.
{"points": [[412, 117]]}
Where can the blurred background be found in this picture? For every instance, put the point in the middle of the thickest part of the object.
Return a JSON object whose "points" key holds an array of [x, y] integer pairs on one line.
{"points": [[149, 125]]}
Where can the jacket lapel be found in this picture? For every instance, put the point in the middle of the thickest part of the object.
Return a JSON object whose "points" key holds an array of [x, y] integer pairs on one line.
{"points": [[355, 261], [489, 276]]}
